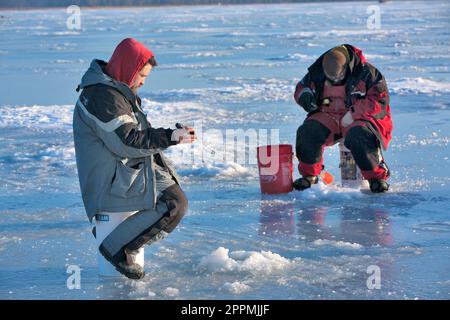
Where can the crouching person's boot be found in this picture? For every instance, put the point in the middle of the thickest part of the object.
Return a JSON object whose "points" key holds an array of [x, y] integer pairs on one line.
{"points": [[378, 185], [305, 182], [125, 263]]}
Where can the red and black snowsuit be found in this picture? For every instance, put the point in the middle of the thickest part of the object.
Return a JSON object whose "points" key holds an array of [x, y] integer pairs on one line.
{"points": [[365, 93]]}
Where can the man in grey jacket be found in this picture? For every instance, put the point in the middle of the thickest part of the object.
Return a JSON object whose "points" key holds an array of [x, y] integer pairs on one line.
{"points": [[119, 156]]}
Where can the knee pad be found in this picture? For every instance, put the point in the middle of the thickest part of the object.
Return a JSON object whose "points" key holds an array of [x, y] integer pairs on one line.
{"points": [[360, 137], [312, 131], [364, 147], [311, 136], [177, 205]]}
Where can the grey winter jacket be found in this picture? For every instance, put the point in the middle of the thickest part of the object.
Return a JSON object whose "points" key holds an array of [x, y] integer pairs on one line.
{"points": [[116, 147]]}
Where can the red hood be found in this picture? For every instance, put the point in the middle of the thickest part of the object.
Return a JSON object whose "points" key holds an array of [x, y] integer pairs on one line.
{"points": [[128, 58]]}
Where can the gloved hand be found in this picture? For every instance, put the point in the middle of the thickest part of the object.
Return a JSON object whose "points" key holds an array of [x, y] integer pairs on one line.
{"points": [[183, 134], [308, 101], [347, 119]]}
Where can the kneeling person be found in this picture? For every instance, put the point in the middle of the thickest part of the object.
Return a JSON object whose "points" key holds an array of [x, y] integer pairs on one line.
{"points": [[119, 156]]}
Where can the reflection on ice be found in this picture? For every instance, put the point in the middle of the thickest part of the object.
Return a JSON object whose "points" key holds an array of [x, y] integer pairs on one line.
{"points": [[347, 227]]}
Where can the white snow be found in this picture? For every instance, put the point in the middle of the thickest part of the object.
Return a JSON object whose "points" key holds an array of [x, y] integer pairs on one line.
{"points": [[337, 244], [218, 261], [207, 54], [263, 262], [5, 241], [36, 116], [419, 85], [171, 292], [236, 287]]}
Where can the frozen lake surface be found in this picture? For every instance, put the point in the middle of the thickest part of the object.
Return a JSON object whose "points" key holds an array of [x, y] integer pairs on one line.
{"points": [[232, 67]]}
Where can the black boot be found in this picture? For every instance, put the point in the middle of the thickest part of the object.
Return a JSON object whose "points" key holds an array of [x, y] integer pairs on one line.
{"points": [[127, 267], [378, 185], [305, 182]]}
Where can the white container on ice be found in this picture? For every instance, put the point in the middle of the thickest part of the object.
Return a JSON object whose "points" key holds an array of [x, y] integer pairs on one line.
{"points": [[105, 223], [351, 176]]}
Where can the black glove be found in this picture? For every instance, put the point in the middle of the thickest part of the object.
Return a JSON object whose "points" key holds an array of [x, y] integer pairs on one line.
{"points": [[308, 101]]}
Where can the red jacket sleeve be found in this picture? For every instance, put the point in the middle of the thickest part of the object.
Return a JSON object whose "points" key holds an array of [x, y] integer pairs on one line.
{"points": [[376, 98]]}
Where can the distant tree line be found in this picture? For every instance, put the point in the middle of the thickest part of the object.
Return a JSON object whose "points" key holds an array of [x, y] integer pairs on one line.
{"points": [[88, 3]]}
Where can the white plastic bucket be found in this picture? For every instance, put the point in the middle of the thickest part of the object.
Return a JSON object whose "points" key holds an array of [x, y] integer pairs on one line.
{"points": [[105, 223], [351, 176]]}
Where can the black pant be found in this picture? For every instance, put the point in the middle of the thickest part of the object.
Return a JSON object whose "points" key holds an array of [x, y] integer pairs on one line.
{"points": [[177, 204], [360, 140]]}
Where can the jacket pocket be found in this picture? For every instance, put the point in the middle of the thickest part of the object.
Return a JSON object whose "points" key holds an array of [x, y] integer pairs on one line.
{"points": [[128, 181]]}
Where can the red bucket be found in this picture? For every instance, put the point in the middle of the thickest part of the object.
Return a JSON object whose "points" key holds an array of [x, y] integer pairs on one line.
{"points": [[275, 168]]}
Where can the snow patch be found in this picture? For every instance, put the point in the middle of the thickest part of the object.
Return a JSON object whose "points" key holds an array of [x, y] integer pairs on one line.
{"points": [[218, 261], [244, 91], [66, 33], [139, 290], [413, 141], [335, 33], [35, 116], [171, 292], [208, 54], [209, 157], [293, 57], [62, 61], [5, 240], [407, 86], [337, 244], [236, 287], [369, 56], [263, 262]]}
